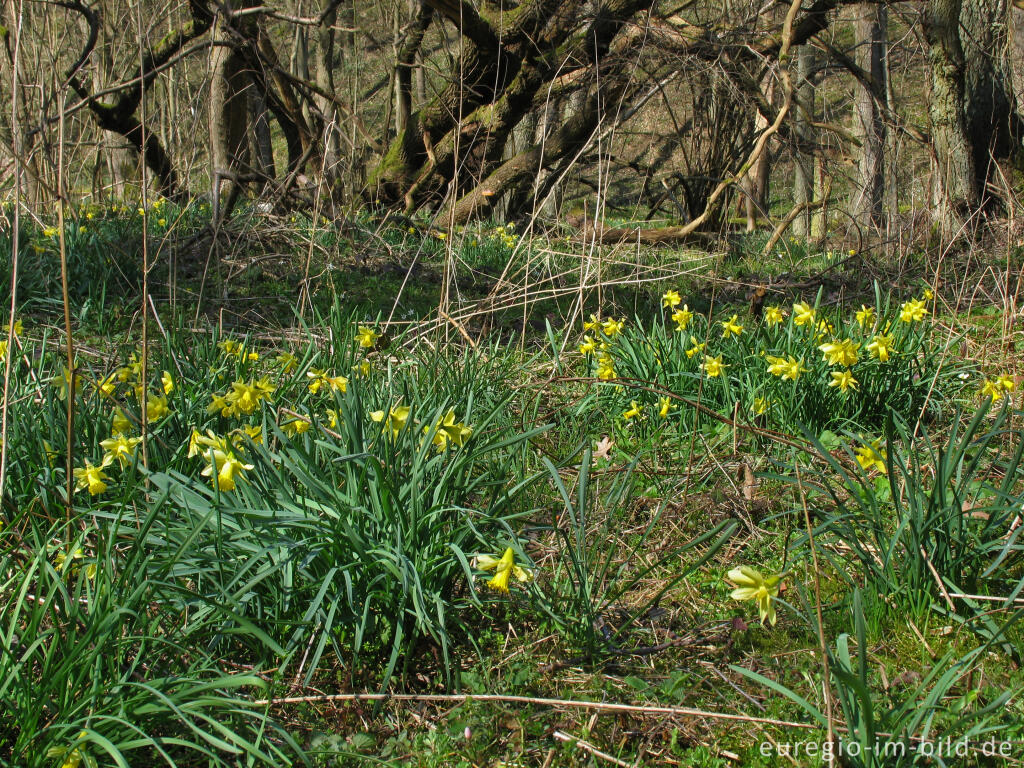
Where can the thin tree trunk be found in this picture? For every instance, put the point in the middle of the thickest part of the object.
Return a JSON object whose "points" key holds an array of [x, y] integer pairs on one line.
{"points": [[803, 181], [872, 42]]}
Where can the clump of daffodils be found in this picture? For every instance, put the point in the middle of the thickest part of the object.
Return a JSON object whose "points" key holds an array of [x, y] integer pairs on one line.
{"points": [[504, 568], [243, 398], [998, 387], [751, 585]]}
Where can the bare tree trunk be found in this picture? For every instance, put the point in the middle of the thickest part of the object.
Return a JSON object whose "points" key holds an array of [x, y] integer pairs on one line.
{"points": [[228, 123], [755, 185], [872, 42], [955, 193], [803, 180]]}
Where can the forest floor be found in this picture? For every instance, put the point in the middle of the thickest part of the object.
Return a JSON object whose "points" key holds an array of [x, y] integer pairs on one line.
{"points": [[538, 503]]}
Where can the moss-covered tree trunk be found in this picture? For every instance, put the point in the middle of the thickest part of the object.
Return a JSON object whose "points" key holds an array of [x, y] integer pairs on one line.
{"points": [[954, 180]]}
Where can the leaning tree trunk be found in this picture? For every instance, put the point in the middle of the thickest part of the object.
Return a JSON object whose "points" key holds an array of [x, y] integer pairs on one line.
{"points": [[872, 42], [954, 181]]}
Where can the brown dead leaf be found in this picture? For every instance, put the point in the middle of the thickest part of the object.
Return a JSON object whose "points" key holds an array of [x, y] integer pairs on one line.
{"points": [[603, 448]]}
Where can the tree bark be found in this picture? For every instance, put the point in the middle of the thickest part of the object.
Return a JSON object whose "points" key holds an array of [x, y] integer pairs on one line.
{"points": [[804, 104], [954, 179], [869, 98]]}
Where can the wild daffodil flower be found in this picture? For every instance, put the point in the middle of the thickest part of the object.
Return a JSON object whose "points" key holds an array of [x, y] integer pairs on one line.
{"points": [[1006, 382], [872, 456], [713, 366], [843, 380], [731, 327], [671, 299], [696, 348], [67, 382], [156, 408], [395, 420], [167, 382], [120, 425], [612, 327], [773, 315], [760, 406], [785, 367], [913, 311], [287, 362], [633, 411], [605, 368], [881, 347], [803, 313], [840, 352], [587, 346], [120, 448], [992, 388], [664, 406], [228, 469], [682, 318], [593, 324], [504, 567], [367, 336], [751, 585], [865, 316], [92, 477]]}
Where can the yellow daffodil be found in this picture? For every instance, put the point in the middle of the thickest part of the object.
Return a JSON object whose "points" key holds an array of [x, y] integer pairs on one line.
{"points": [[363, 368], [19, 328], [228, 469], [865, 316], [230, 347], [448, 432], [605, 368], [107, 385], [593, 324], [244, 398], [504, 567], [773, 315], [1006, 382], [696, 348], [844, 380], [612, 327], [760, 406], [119, 447], [3, 349], [92, 477], [287, 362], [927, 294], [67, 382], [671, 299], [332, 418], [220, 405], [785, 367], [634, 411], [156, 408], [664, 406], [587, 346], [913, 311], [50, 232], [167, 382], [682, 317], [995, 388], [295, 427], [751, 585], [872, 456], [121, 425], [803, 313], [731, 327], [840, 352], [367, 337], [881, 347], [396, 418], [712, 366]]}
